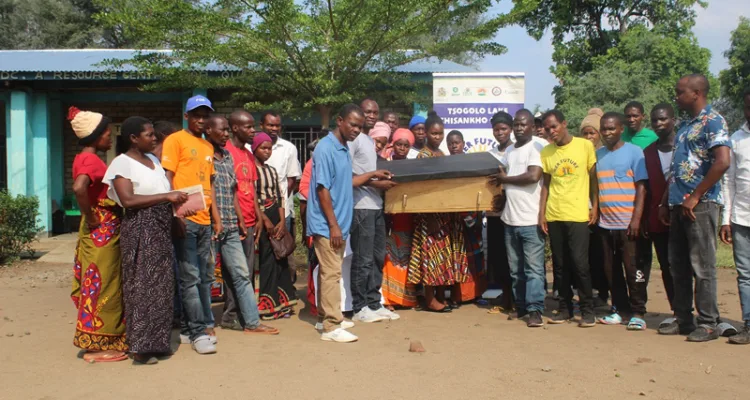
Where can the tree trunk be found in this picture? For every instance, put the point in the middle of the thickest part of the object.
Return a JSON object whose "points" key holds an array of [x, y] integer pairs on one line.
{"points": [[325, 116]]}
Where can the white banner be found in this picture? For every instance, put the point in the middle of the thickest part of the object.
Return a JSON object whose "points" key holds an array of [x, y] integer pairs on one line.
{"points": [[467, 101]]}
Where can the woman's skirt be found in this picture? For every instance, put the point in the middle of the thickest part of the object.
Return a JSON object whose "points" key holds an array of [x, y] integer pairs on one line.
{"points": [[148, 278], [274, 290], [397, 291], [438, 255], [97, 288]]}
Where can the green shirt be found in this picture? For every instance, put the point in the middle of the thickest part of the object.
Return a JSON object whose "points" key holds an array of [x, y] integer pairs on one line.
{"points": [[642, 139]]}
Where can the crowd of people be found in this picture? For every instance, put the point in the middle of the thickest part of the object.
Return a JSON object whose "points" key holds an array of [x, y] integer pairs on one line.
{"points": [[602, 200]]}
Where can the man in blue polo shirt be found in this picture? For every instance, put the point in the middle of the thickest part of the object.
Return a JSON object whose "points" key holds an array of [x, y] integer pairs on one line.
{"points": [[330, 208]]}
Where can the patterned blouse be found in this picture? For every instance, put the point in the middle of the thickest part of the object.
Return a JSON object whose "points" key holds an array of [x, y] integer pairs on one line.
{"points": [[267, 188]]}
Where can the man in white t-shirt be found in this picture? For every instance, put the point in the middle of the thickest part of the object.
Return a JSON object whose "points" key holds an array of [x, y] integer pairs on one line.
{"points": [[284, 160], [524, 240]]}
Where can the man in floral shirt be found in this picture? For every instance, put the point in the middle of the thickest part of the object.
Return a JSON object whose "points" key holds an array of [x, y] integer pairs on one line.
{"points": [[691, 207]]}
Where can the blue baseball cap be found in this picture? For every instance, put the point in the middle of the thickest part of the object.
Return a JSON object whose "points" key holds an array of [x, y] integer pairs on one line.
{"points": [[198, 101]]}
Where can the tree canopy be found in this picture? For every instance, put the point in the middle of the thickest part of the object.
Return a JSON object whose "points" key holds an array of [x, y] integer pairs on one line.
{"points": [[736, 79], [298, 56]]}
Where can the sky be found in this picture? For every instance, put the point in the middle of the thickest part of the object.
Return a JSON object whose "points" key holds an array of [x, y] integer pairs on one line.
{"points": [[713, 28]]}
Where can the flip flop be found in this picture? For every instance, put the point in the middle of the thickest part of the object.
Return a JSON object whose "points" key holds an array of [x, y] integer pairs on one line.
{"points": [[636, 324], [262, 330], [726, 329], [444, 310], [101, 358], [495, 310]]}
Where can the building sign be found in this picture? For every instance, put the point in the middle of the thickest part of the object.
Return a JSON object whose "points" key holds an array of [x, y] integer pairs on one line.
{"points": [[98, 75], [467, 102]]}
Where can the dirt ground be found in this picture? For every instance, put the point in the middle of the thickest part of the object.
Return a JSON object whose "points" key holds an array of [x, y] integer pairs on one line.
{"points": [[470, 355]]}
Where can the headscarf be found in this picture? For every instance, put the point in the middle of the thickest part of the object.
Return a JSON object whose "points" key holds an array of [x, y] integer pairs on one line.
{"points": [[593, 119], [381, 129], [402, 133], [259, 138], [416, 120], [87, 125]]}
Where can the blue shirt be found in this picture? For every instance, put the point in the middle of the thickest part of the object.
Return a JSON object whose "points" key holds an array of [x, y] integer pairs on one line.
{"points": [[692, 156], [617, 172], [331, 169]]}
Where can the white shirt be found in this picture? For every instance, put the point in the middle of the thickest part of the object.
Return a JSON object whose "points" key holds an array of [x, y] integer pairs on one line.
{"points": [[284, 160], [736, 182], [666, 161], [146, 181], [522, 201]]}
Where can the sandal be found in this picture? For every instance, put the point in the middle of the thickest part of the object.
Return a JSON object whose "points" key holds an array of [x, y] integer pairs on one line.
{"points": [[636, 324], [667, 322], [262, 330], [445, 309], [104, 356], [495, 310]]}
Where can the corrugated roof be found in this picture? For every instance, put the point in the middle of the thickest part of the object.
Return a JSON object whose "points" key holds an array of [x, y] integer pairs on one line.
{"points": [[88, 60]]}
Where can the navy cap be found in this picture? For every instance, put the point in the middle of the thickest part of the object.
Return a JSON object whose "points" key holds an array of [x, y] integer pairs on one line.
{"points": [[198, 101]]}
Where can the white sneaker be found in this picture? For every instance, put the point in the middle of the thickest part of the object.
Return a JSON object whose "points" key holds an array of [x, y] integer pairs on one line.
{"points": [[367, 316], [339, 335], [344, 325], [388, 314], [203, 345]]}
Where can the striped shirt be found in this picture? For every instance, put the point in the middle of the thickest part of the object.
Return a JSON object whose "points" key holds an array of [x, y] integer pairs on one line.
{"points": [[224, 187], [617, 172], [268, 187]]}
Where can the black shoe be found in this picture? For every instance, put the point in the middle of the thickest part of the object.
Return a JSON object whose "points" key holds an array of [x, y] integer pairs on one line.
{"points": [[535, 320], [743, 337], [233, 325], [560, 318], [588, 320], [517, 314], [703, 334]]}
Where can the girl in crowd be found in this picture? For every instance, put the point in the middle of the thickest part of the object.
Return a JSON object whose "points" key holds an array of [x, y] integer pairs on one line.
{"points": [[476, 282], [417, 128], [590, 127], [380, 134], [162, 129], [273, 281], [97, 289], [438, 256], [138, 183], [397, 291]]}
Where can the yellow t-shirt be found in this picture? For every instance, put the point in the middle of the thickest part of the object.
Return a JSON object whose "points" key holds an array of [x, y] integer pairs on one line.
{"points": [[191, 160], [569, 168]]}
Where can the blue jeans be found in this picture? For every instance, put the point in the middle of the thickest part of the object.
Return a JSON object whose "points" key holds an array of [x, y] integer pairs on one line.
{"points": [[368, 258], [741, 246], [525, 247], [196, 277], [234, 262]]}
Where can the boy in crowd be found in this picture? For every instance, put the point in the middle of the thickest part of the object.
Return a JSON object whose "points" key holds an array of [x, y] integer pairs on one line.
{"points": [[658, 160], [691, 209], [188, 160], [635, 132], [564, 214], [735, 223], [621, 175], [229, 228], [524, 239]]}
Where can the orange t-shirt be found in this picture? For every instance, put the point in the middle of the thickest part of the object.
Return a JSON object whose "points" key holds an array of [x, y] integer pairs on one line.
{"points": [[191, 160]]}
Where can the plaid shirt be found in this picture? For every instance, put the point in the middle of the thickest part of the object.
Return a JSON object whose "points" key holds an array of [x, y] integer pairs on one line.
{"points": [[225, 184]]}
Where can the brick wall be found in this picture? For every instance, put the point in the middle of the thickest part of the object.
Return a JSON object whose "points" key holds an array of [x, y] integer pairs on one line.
{"points": [[117, 112]]}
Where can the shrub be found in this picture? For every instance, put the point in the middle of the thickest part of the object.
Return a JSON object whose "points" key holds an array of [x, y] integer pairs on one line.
{"points": [[19, 225]]}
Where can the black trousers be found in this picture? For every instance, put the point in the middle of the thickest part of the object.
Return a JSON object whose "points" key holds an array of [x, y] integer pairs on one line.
{"points": [[596, 263], [661, 245], [629, 292], [498, 269], [570, 250]]}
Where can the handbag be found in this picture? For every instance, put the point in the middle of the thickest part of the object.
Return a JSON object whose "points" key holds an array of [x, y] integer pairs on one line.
{"points": [[284, 247]]}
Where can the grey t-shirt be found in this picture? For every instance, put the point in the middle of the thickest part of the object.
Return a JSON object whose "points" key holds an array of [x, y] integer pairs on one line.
{"points": [[364, 160]]}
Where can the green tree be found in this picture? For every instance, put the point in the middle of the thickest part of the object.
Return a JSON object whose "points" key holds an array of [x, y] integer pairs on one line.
{"points": [[54, 24], [644, 66], [299, 56], [736, 79]]}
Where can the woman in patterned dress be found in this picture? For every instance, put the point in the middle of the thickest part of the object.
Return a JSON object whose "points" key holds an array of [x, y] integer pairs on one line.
{"points": [[97, 290], [138, 183], [276, 294], [397, 291], [438, 257]]}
